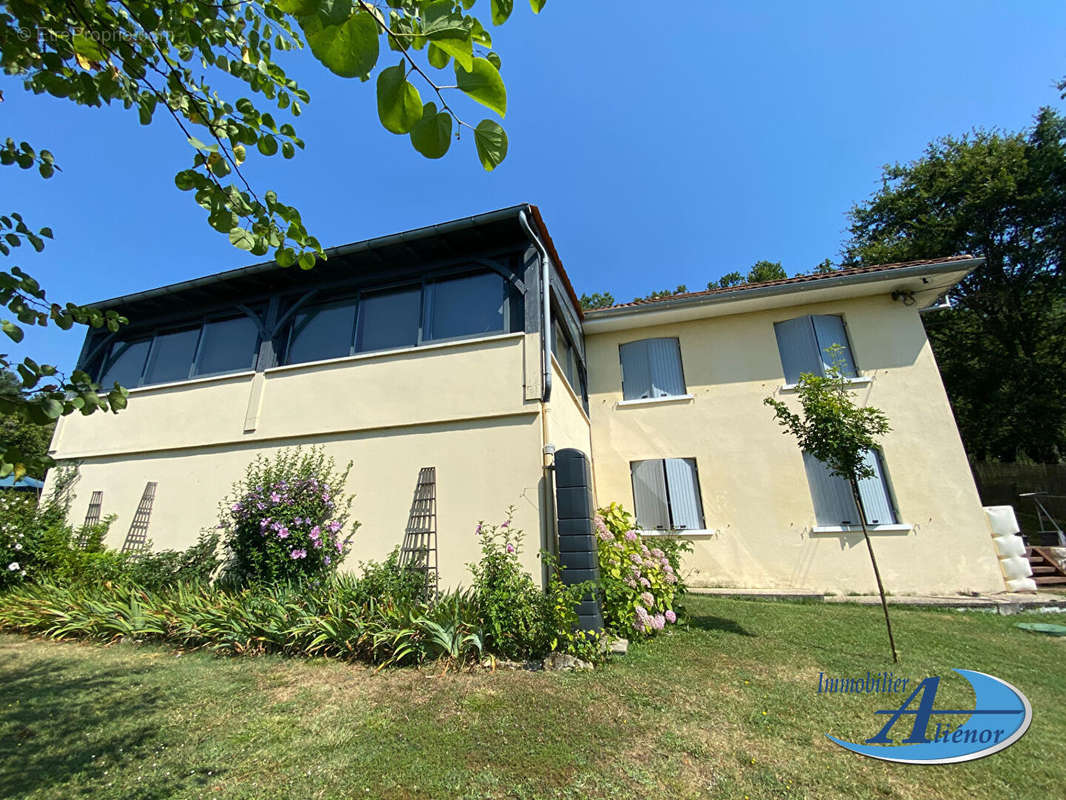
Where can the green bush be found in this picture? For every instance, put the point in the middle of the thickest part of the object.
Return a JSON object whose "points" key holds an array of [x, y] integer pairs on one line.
{"points": [[641, 584], [387, 582], [36, 542], [519, 619], [285, 519], [196, 564]]}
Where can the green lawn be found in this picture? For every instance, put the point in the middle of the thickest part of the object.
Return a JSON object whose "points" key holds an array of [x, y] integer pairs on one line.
{"points": [[723, 708]]}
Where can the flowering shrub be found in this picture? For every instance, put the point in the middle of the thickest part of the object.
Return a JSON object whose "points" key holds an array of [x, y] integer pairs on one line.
{"points": [[17, 512], [517, 618], [640, 583], [285, 519]]}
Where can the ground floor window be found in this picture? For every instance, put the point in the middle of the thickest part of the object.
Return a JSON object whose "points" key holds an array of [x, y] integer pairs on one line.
{"points": [[666, 494], [833, 501]]}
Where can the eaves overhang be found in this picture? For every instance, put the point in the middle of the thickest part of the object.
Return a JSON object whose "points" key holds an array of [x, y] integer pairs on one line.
{"points": [[924, 282]]}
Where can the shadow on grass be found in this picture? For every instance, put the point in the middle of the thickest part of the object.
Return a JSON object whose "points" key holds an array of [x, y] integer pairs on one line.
{"points": [[62, 721], [706, 622]]}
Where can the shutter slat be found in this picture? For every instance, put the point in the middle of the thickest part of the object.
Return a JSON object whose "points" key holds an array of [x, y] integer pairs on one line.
{"points": [[829, 330], [798, 348], [874, 493], [649, 495], [684, 491], [636, 372], [664, 356], [833, 502]]}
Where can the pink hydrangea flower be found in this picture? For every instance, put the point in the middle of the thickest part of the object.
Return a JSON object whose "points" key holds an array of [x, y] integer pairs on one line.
{"points": [[645, 583], [647, 599], [671, 617], [658, 622], [657, 553], [631, 536]]}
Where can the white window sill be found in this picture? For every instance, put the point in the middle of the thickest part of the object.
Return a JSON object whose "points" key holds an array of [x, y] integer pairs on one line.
{"points": [[645, 401], [198, 381], [682, 533], [899, 528], [862, 380]]}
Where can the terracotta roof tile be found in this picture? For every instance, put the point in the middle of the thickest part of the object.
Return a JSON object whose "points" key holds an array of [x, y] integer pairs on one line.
{"points": [[789, 281]]}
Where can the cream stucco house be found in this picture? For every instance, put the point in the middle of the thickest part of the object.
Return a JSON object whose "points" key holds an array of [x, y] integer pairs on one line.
{"points": [[427, 348]]}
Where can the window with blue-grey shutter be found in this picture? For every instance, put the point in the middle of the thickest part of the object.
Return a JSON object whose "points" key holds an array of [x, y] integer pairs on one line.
{"points": [[833, 501], [651, 368], [805, 346], [666, 494]]}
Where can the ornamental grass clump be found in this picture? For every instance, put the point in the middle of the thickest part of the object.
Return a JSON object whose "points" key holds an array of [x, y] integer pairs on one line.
{"points": [[641, 585], [285, 520]]}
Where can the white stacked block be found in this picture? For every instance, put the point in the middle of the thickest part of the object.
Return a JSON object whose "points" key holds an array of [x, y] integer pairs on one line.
{"points": [[1010, 548]]}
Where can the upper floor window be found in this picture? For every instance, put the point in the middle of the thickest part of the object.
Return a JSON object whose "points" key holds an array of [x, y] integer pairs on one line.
{"points": [[212, 347], [666, 494], [805, 345], [172, 356], [651, 368], [469, 306], [834, 503], [389, 320], [229, 344], [124, 363], [450, 308], [321, 332]]}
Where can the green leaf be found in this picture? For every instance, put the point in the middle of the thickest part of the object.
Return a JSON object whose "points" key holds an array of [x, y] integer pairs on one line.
{"points": [[117, 398], [267, 145], [52, 408], [491, 142], [537, 5], [285, 257], [399, 106], [12, 330], [501, 10], [349, 49], [306, 260], [298, 8], [242, 239], [494, 59], [87, 47], [445, 28], [432, 135], [484, 85], [437, 57]]}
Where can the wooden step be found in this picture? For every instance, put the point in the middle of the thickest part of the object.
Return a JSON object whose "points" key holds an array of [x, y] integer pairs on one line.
{"points": [[1049, 580], [1043, 570]]}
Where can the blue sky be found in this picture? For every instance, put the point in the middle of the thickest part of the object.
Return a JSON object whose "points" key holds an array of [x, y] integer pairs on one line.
{"points": [[661, 147]]}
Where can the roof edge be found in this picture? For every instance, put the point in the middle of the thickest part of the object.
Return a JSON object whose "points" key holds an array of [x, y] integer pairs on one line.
{"points": [[364, 245], [771, 289]]}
